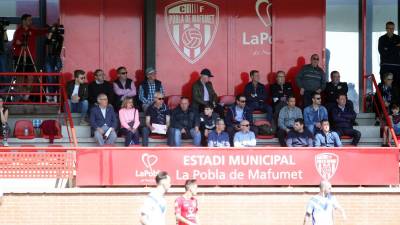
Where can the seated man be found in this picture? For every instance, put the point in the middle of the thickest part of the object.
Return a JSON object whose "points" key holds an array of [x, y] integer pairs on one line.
{"points": [[280, 91], [314, 113], [218, 137], [183, 124], [148, 87], [123, 87], [77, 92], [157, 114], [206, 121], [245, 137], [4, 128], [235, 114], [333, 88], [256, 95], [343, 117], [327, 138], [204, 94], [98, 86], [287, 116], [104, 121], [299, 137], [390, 95]]}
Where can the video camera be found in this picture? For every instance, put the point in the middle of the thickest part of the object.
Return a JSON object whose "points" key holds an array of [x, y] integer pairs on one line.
{"points": [[57, 29]]}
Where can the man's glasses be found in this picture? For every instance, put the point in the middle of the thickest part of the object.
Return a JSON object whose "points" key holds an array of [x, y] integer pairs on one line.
{"points": [[160, 98], [245, 125], [315, 58], [317, 98], [82, 78], [242, 101], [123, 73]]}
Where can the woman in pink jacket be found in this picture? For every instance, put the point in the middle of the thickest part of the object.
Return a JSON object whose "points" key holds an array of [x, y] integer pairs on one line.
{"points": [[129, 118]]}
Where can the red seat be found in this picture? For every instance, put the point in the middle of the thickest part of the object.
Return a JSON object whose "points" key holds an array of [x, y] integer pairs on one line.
{"points": [[257, 112], [19, 129], [173, 101], [157, 136], [227, 100], [346, 137], [261, 122], [57, 135], [265, 136]]}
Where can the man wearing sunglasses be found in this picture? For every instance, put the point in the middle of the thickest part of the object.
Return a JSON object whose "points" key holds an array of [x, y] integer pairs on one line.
{"points": [[123, 87], [236, 114], [157, 115], [245, 137], [314, 114], [77, 92], [311, 78]]}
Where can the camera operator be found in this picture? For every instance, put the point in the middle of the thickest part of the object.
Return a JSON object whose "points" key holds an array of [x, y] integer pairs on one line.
{"points": [[24, 49], [53, 63]]}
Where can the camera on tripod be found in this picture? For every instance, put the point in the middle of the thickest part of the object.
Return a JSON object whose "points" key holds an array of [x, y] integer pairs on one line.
{"points": [[57, 29]]}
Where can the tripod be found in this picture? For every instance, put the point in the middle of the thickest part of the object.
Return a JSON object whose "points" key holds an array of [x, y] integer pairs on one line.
{"points": [[24, 63]]}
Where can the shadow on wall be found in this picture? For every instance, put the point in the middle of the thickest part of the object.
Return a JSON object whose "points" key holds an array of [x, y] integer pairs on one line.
{"points": [[291, 78], [187, 88], [139, 78], [245, 79], [89, 76], [112, 75]]}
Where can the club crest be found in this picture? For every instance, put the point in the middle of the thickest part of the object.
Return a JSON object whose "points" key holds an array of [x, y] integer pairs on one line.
{"points": [[326, 165], [191, 26]]}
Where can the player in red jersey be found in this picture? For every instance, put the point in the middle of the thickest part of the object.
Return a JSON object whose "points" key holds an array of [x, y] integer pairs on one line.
{"points": [[186, 206]]}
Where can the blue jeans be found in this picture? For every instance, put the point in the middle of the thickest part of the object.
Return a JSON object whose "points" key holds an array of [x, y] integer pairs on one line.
{"points": [[53, 64], [80, 107], [178, 137]]}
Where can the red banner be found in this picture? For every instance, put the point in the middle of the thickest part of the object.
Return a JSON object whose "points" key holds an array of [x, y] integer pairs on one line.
{"points": [[363, 166]]}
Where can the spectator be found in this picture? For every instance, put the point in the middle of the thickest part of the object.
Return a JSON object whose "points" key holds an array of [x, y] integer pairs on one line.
{"points": [[280, 91], [395, 118], [157, 115], [129, 118], [314, 114], [98, 86], [388, 47], [287, 116], [390, 95], [218, 137], [207, 121], [327, 138], [256, 95], [77, 92], [299, 137], [333, 88], [311, 78], [148, 87], [203, 93], [5, 129], [245, 137], [183, 124], [236, 114], [123, 87], [343, 117], [103, 121]]}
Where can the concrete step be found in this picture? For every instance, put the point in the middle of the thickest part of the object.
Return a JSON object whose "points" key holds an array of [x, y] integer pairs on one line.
{"points": [[22, 109]]}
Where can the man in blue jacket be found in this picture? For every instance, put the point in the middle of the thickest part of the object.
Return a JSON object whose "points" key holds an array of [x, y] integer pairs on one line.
{"points": [[256, 95], [343, 117], [235, 114], [314, 114], [104, 121]]}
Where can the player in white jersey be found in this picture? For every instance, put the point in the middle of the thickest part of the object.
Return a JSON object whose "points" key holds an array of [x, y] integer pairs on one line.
{"points": [[321, 207], [154, 207]]}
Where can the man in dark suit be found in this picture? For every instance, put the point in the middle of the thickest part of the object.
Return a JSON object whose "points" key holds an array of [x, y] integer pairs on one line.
{"points": [[104, 121]]}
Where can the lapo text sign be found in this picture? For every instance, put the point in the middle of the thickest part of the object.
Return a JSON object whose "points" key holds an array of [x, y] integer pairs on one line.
{"points": [[238, 167]]}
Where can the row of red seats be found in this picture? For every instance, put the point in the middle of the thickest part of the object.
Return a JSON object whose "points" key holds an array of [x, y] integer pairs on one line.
{"points": [[22, 125]]}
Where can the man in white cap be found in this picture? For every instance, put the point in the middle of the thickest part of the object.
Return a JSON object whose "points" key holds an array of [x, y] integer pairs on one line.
{"points": [[321, 206], [148, 87]]}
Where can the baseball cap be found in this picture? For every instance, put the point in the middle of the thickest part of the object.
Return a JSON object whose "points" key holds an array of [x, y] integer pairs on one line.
{"points": [[206, 72], [150, 70]]}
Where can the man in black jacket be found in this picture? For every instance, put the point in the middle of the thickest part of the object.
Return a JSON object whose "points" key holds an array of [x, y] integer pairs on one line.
{"points": [[333, 89], [77, 93], [389, 50], [148, 88], [280, 92], [256, 95], [98, 86], [183, 124]]}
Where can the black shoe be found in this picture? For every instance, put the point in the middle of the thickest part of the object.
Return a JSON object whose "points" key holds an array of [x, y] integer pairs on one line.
{"points": [[385, 145], [355, 123], [377, 123]]}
